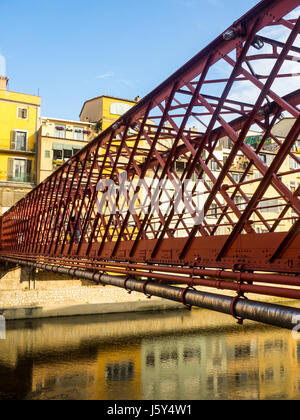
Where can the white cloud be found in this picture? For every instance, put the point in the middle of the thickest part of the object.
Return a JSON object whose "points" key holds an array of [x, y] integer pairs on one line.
{"points": [[105, 75], [126, 82], [2, 65]]}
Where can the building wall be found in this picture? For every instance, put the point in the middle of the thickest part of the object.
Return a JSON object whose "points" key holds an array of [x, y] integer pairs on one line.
{"points": [[108, 114], [11, 193], [48, 143], [14, 184], [105, 109], [91, 110]]}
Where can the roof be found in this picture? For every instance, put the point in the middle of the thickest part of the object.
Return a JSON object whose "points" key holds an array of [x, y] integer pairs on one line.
{"points": [[24, 98], [106, 96], [283, 127], [67, 121]]}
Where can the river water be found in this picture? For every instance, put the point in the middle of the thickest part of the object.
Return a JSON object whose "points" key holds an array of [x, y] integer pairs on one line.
{"points": [[176, 355]]}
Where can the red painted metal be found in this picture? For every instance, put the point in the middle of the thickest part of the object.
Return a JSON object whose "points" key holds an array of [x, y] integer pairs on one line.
{"points": [[243, 81]]}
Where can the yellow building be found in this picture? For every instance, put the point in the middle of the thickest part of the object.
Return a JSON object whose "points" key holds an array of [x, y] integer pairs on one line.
{"points": [[19, 122], [58, 141], [105, 110]]}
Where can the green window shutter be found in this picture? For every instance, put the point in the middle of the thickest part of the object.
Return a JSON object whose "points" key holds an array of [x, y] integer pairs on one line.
{"points": [[10, 169], [13, 140], [29, 169]]}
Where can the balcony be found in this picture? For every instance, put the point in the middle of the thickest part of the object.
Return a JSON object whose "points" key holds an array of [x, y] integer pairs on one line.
{"points": [[25, 179], [18, 152], [57, 163]]}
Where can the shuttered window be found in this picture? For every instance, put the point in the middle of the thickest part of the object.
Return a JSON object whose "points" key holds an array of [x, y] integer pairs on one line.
{"points": [[64, 151], [19, 140], [119, 108], [269, 206], [23, 113], [10, 169], [60, 131], [78, 134], [19, 170], [213, 212]]}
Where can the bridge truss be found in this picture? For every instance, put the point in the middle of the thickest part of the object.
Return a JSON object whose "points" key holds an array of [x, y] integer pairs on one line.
{"points": [[244, 85]]}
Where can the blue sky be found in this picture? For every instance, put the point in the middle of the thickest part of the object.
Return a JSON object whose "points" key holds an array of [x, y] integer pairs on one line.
{"points": [[72, 50]]}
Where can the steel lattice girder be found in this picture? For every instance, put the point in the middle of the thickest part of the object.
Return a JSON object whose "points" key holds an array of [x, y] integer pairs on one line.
{"points": [[244, 81]]}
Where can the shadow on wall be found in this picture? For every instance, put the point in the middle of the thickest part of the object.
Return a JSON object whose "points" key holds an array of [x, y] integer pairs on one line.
{"points": [[6, 268], [14, 277]]}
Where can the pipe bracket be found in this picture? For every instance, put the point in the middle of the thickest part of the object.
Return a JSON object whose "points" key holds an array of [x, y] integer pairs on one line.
{"points": [[144, 289], [125, 285], [183, 295]]}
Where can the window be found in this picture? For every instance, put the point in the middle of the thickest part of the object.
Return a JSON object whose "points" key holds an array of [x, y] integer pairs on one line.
{"points": [[63, 152], [19, 140], [57, 154], [47, 154], [213, 212], [240, 202], [210, 184], [214, 166], [60, 131], [58, 151], [237, 177], [227, 143], [180, 166], [263, 158], [272, 206], [22, 113], [78, 134], [257, 175], [293, 187], [198, 167], [119, 108], [68, 154], [19, 170], [270, 159], [293, 164]]}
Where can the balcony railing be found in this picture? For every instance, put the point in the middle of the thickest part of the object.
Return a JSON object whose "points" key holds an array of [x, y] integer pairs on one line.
{"points": [[58, 163], [21, 178]]}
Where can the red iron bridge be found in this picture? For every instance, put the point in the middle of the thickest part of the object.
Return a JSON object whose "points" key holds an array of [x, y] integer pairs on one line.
{"points": [[229, 118]]}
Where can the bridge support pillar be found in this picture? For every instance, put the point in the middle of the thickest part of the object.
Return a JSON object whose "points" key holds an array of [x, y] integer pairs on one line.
{"points": [[14, 277]]}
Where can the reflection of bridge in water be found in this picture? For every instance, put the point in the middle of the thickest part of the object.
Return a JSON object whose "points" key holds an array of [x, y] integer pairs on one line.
{"points": [[158, 357]]}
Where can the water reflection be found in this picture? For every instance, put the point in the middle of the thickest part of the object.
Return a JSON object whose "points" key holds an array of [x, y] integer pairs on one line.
{"points": [[175, 355]]}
